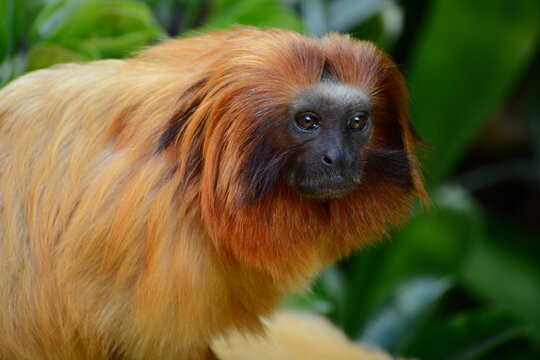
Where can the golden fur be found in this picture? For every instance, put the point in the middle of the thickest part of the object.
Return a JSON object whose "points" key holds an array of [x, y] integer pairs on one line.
{"points": [[295, 336], [126, 229]]}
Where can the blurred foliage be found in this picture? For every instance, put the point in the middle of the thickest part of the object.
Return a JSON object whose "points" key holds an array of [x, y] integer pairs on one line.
{"points": [[506, 36], [461, 281]]}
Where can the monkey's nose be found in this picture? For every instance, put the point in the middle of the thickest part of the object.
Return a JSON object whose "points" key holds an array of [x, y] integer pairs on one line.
{"points": [[327, 160], [331, 157]]}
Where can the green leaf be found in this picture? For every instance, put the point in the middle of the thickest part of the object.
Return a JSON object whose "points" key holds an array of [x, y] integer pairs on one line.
{"points": [[383, 28], [321, 17], [346, 14], [505, 278], [315, 17], [53, 16], [262, 13], [106, 29], [5, 36], [467, 336], [534, 120], [178, 15], [12, 22], [362, 292], [436, 241], [325, 296], [468, 58], [45, 54], [403, 313], [114, 18], [114, 47], [11, 67]]}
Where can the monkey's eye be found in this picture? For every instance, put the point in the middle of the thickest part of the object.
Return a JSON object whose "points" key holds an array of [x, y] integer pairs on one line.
{"points": [[359, 121], [307, 121]]}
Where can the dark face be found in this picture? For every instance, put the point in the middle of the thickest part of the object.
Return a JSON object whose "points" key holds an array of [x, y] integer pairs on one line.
{"points": [[330, 123]]}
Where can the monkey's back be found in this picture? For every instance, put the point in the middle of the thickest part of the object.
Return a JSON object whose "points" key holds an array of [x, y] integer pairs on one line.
{"points": [[49, 143], [99, 253], [76, 202]]}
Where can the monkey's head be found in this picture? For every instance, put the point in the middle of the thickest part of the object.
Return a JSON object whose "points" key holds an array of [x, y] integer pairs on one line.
{"points": [[306, 144]]}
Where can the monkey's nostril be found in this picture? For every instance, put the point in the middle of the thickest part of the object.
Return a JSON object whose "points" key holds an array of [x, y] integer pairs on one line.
{"points": [[327, 160]]}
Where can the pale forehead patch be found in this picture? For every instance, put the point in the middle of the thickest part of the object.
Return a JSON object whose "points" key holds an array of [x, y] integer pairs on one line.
{"points": [[336, 93]]}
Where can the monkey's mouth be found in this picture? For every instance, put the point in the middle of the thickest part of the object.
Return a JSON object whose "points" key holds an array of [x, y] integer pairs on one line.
{"points": [[325, 187]]}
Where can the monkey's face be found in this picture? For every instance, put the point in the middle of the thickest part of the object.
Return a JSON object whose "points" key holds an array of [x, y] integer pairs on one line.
{"points": [[329, 124]]}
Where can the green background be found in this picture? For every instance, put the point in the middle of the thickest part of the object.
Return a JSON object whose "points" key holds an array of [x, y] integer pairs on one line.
{"points": [[462, 280]]}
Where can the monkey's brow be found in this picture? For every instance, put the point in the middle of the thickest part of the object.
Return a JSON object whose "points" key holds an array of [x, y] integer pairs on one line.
{"points": [[332, 94]]}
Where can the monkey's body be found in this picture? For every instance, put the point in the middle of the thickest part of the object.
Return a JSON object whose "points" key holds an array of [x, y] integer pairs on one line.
{"points": [[143, 214], [75, 275]]}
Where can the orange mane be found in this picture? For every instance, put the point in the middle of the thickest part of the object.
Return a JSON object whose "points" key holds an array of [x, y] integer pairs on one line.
{"points": [[239, 109]]}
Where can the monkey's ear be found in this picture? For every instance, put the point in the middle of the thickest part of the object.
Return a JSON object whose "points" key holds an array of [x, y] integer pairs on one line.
{"points": [[399, 91], [415, 136], [398, 96]]}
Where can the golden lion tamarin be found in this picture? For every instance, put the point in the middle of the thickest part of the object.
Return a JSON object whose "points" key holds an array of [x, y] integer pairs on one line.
{"points": [[150, 205]]}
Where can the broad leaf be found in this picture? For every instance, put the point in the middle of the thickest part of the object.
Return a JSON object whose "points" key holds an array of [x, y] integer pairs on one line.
{"points": [[507, 279], [45, 54], [105, 29], [263, 13], [467, 336], [468, 58], [435, 242], [390, 325]]}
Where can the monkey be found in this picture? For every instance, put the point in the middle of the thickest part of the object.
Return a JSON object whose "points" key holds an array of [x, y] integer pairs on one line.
{"points": [[153, 204]]}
